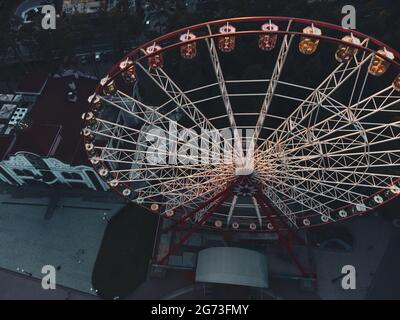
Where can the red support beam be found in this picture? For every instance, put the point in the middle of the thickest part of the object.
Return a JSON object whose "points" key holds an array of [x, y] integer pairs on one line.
{"points": [[292, 234], [185, 217], [198, 224], [284, 240]]}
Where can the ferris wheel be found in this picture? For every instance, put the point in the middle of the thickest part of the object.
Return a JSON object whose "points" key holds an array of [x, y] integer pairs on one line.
{"points": [[257, 124]]}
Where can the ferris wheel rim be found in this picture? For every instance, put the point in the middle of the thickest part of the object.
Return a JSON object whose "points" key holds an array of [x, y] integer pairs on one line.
{"points": [[115, 70], [112, 75]]}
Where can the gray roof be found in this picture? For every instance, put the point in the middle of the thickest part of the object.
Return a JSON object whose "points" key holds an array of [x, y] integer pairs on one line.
{"points": [[232, 266]]}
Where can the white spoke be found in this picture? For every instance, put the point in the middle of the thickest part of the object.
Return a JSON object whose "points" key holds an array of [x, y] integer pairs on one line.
{"points": [[280, 62]]}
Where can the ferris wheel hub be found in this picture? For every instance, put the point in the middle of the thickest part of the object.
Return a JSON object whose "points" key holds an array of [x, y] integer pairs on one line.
{"points": [[245, 165], [244, 171]]}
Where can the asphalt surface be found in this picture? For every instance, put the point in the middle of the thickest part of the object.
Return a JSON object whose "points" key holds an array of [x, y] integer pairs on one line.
{"points": [[17, 286], [68, 239], [386, 283]]}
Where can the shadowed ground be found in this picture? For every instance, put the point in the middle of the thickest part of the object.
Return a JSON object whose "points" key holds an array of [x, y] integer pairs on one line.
{"points": [[125, 252]]}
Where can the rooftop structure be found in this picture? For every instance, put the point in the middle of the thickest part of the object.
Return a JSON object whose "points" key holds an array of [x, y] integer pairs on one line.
{"points": [[235, 266], [40, 130]]}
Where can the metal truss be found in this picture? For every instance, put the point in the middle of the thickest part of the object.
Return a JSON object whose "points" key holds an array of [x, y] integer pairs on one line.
{"points": [[327, 152]]}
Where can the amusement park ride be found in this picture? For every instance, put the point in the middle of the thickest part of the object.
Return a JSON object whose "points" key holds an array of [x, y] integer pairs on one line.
{"points": [[316, 155]]}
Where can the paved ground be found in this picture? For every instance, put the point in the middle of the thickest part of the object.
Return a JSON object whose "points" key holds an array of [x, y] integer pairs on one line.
{"points": [[70, 239], [159, 288], [23, 287], [386, 282], [72, 236], [372, 237]]}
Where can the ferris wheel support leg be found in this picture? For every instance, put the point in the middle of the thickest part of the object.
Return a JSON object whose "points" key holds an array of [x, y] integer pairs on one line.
{"points": [[196, 226], [183, 220], [285, 241], [291, 233]]}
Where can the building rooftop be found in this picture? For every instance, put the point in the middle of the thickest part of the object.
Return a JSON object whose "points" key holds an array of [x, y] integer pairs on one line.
{"points": [[33, 84], [54, 121], [38, 139], [54, 108], [229, 265], [70, 240]]}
